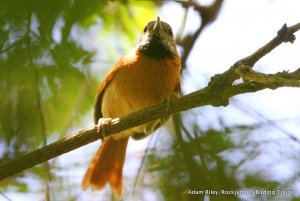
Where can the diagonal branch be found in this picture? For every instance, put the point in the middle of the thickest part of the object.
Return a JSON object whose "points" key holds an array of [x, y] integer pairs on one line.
{"points": [[285, 34], [218, 92], [207, 14]]}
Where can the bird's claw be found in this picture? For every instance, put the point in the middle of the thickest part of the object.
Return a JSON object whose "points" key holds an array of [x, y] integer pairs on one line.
{"points": [[102, 122]]}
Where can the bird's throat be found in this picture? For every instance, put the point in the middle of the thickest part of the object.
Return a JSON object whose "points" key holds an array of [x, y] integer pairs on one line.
{"points": [[156, 48]]}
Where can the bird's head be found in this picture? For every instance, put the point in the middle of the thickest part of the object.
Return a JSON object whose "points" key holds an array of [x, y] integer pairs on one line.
{"points": [[157, 40]]}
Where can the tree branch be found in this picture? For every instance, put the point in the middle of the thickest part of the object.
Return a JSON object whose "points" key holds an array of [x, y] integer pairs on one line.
{"points": [[208, 15], [272, 81], [285, 34], [217, 93]]}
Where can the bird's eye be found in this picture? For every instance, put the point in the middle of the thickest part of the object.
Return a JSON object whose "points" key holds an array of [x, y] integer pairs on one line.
{"points": [[170, 32], [145, 29]]}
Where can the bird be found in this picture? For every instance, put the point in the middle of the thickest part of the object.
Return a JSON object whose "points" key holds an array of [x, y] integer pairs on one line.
{"points": [[147, 75]]}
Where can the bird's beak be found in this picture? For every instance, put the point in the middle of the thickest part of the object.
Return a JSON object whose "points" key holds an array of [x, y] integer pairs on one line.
{"points": [[157, 26]]}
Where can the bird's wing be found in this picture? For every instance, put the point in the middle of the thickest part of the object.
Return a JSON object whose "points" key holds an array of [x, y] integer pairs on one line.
{"points": [[99, 96], [123, 62]]}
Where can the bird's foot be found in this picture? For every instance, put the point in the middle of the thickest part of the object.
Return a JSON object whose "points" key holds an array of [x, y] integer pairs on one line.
{"points": [[102, 122]]}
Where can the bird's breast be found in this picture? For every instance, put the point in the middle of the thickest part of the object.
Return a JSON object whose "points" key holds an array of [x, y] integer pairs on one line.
{"points": [[141, 83]]}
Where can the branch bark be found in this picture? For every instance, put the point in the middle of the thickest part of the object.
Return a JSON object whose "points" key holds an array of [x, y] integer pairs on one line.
{"points": [[218, 92]]}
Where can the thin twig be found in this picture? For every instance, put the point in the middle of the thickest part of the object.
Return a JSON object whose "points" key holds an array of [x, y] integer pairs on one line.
{"points": [[261, 117], [5, 196], [140, 176], [208, 14], [284, 35], [12, 45]]}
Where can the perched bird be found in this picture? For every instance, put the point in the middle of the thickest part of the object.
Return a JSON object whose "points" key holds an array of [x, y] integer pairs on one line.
{"points": [[146, 76]]}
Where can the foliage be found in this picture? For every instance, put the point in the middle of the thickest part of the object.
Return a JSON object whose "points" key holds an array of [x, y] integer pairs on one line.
{"points": [[211, 160], [47, 78]]}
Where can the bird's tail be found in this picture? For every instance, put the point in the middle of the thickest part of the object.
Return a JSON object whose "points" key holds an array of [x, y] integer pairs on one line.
{"points": [[107, 166]]}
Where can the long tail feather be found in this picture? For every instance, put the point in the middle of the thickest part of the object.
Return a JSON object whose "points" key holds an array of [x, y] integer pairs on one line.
{"points": [[107, 166]]}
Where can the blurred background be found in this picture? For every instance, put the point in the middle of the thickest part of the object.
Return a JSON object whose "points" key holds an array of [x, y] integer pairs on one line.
{"points": [[54, 54]]}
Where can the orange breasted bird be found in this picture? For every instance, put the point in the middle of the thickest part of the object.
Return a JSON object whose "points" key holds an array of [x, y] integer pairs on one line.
{"points": [[148, 75]]}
